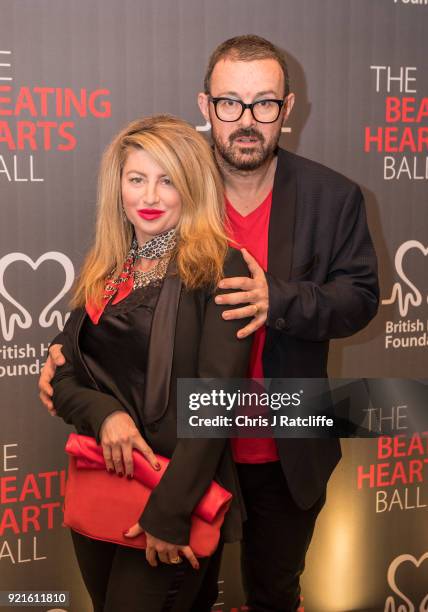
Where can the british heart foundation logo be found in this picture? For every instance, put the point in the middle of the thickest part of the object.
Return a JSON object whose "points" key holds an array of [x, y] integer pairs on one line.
{"points": [[401, 601], [409, 295], [19, 314]]}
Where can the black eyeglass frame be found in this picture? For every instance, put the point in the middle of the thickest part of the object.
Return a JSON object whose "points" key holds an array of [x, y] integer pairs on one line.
{"points": [[244, 106]]}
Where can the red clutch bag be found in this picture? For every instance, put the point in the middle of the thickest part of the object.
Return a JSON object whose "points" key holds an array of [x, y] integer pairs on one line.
{"points": [[102, 505]]}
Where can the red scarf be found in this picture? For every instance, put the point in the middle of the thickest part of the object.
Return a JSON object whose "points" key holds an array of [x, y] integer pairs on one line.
{"points": [[115, 287]]}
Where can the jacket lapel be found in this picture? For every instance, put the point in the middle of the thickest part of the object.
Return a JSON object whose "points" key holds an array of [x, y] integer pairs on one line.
{"points": [[281, 224], [161, 348]]}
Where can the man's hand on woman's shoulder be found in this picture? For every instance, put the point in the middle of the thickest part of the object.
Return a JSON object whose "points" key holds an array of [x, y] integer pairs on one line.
{"points": [[253, 292]]}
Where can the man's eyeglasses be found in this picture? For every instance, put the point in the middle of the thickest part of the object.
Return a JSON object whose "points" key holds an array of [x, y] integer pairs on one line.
{"points": [[263, 111]]}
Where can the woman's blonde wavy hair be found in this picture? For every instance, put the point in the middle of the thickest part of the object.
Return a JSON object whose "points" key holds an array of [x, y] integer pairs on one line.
{"points": [[187, 159]]}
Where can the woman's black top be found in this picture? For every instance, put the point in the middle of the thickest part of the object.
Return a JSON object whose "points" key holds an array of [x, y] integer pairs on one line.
{"points": [[115, 350]]}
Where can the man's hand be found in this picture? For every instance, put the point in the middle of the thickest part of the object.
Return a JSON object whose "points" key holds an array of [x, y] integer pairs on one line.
{"points": [[55, 359], [167, 553], [254, 293]]}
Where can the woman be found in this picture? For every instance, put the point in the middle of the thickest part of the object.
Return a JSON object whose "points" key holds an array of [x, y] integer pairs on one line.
{"points": [[144, 315]]}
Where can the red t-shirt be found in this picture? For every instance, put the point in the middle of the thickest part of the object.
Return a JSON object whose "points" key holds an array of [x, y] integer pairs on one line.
{"points": [[251, 232]]}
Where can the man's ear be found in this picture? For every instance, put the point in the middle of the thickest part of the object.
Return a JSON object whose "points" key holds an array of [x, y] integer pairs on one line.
{"points": [[203, 104], [289, 103]]}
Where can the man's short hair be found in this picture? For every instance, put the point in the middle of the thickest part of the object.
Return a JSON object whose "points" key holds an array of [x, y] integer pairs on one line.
{"points": [[247, 48]]}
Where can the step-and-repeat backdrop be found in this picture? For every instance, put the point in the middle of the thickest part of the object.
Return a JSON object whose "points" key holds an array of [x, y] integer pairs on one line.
{"points": [[71, 74]]}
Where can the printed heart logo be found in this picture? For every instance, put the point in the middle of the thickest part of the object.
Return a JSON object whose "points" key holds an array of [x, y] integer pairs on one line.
{"points": [[408, 606], [22, 318], [413, 297]]}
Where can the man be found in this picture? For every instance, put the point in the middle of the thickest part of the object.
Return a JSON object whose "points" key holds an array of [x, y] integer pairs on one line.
{"points": [[305, 226]]}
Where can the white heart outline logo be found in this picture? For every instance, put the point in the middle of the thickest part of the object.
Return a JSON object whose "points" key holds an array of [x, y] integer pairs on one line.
{"points": [[23, 319], [405, 300], [390, 602]]}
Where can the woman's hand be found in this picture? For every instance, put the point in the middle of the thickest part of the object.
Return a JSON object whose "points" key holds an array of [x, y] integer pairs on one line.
{"points": [[167, 553], [119, 436]]}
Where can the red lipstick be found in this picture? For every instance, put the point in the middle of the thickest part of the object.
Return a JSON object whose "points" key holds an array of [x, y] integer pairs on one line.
{"points": [[150, 213]]}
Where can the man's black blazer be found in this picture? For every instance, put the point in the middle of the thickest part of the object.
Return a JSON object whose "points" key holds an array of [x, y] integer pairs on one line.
{"points": [[188, 339], [322, 277]]}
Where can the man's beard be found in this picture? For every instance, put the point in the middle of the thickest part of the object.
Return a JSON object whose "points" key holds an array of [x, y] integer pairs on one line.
{"points": [[245, 158]]}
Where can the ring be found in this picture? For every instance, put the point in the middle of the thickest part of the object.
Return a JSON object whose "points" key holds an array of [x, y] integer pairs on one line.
{"points": [[176, 560]]}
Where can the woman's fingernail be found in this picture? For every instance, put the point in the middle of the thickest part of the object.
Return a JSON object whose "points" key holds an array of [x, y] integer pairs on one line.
{"points": [[129, 476], [120, 474], [110, 470], [125, 533], [158, 466]]}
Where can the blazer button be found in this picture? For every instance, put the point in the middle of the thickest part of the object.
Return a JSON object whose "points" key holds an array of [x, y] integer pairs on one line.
{"points": [[280, 324]]}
